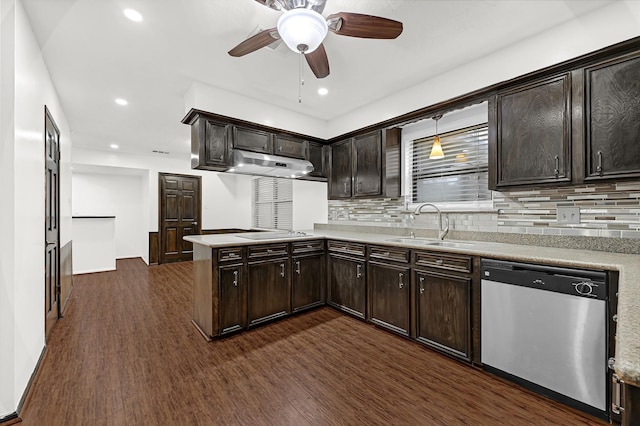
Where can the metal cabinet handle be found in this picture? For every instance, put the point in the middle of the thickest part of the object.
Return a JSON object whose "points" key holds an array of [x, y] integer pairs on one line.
{"points": [[222, 156], [421, 285], [599, 167], [235, 278], [280, 148], [400, 283], [194, 223], [358, 271], [557, 169], [298, 267], [439, 261], [345, 186], [282, 269]]}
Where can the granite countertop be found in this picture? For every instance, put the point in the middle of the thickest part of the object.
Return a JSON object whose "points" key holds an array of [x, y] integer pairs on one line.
{"points": [[628, 265]]}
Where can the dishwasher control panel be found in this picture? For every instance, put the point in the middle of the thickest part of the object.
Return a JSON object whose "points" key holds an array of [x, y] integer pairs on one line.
{"points": [[576, 282]]}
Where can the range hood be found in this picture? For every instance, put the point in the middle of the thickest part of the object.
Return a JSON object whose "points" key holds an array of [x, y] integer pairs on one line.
{"points": [[253, 163]]}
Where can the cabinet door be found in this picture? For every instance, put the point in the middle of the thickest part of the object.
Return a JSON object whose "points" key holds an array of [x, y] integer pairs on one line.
{"points": [[347, 285], [532, 125], [340, 180], [389, 295], [315, 154], [268, 290], [289, 147], [307, 282], [252, 140], [231, 312], [216, 152], [367, 166], [612, 113], [443, 312]]}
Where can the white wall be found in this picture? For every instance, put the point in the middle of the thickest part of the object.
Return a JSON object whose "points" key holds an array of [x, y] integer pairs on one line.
{"points": [[220, 101], [119, 195], [226, 197], [603, 27], [22, 232], [310, 204]]}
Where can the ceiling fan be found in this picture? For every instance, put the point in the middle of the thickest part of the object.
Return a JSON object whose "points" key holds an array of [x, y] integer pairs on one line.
{"points": [[303, 28]]}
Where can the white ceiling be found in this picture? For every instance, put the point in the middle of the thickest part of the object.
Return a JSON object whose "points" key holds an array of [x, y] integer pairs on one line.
{"points": [[94, 55]]}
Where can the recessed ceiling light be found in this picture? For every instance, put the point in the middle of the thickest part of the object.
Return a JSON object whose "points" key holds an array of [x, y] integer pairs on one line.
{"points": [[114, 146], [121, 101], [323, 91], [134, 15]]}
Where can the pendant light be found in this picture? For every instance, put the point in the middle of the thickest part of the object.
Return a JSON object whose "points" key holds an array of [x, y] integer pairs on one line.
{"points": [[436, 150]]}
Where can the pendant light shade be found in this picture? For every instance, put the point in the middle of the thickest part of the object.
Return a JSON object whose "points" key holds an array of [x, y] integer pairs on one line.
{"points": [[303, 30], [436, 150]]}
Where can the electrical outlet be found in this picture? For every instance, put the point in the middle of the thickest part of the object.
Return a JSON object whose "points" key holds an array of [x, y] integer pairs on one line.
{"points": [[568, 215]]}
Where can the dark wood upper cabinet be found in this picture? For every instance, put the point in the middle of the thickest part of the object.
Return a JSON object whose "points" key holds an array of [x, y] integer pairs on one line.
{"points": [[340, 178], [210, 148], [612, 118], [316, 155], [530, 134], [252, 139], [367, 165], [289, 147]]}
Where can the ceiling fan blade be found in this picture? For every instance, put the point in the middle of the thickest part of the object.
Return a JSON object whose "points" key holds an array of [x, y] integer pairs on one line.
{"points": [[318, 62], [262, 39], [270, 4], [363, 26]]}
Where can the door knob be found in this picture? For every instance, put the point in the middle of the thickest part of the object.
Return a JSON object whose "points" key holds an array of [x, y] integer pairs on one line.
{"points": [[195, 223]]}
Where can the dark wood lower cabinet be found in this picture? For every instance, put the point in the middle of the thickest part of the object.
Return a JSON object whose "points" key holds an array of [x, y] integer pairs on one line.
{"points": [[268, 290], [307, 282], [231, 308], [347, 285], [443, 317], [389, 287]]}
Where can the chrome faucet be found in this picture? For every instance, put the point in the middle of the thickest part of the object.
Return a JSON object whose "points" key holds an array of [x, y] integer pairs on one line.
{"points": [[441, 232]]}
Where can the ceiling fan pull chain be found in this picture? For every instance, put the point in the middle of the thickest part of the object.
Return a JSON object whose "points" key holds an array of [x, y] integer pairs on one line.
{"points": [[301, 78]]}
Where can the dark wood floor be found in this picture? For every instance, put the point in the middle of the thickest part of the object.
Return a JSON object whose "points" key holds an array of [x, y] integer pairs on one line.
{"points": [[127, 353]]}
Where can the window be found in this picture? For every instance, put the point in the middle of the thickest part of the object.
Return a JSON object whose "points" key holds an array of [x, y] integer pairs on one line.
{"points": [[272, 201], [461, 176]]}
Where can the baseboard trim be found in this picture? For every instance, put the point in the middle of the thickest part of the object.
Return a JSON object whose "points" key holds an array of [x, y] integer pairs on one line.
{"points": [[26, 396], [10, 419]]}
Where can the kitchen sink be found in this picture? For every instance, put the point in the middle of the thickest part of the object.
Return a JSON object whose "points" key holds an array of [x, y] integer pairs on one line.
{"points": [[411, 240], [448, 244]]}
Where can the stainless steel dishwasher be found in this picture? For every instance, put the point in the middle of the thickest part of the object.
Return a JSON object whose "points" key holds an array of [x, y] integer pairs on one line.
{"points": [[546, 329]]}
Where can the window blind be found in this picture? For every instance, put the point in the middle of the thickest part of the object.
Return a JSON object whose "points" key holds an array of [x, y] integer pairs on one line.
{"points": [[462, 175], [272, 202]]}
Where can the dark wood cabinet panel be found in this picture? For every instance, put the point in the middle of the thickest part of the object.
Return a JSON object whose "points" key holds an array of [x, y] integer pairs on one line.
{"points": [[389, 293], [252, 140], [612, 118], [347, 285], [315, 155], [289, 147], [231, 303], [340, 179], [530, 134], [216, 150], [367, 165], [268, 290], [307, 282], [443, 317]]}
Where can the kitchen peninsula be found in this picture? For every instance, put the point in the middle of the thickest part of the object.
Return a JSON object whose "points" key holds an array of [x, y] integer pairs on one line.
{"points": [[223, 287]]}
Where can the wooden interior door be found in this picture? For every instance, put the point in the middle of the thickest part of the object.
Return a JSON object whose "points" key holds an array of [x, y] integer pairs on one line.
{"points": [[180, 201], [52, 223]]}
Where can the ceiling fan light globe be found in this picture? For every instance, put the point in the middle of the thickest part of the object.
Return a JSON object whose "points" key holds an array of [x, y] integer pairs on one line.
{"points": [[302, 27]]}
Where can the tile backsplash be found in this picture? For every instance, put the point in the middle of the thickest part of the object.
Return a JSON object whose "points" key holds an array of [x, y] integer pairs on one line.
{"points": [[606, 210]]}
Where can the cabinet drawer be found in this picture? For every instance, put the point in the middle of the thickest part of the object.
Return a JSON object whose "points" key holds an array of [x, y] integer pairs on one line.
{"points": [[346, 247], [389, 253], [307, 246], [448, 261], [268, 250], [229, 254]]}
